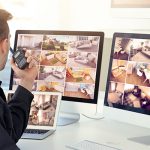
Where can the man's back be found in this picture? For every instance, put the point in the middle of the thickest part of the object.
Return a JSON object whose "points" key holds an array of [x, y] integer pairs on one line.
{"points": [[6, 143], [17, 110]]}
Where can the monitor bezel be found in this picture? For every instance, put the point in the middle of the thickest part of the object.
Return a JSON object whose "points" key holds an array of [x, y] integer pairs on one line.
{"points": [[118, 106], [61, 32]]}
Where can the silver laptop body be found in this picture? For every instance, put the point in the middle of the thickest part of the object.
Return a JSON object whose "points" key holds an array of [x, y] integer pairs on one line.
{"points": [[43, 114]]}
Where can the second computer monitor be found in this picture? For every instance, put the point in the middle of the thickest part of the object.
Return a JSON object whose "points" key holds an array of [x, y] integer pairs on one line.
{"points": [[128, 84]]}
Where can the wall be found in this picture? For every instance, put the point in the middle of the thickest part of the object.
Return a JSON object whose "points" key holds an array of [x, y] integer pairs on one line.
{"points": [[90, 15]]}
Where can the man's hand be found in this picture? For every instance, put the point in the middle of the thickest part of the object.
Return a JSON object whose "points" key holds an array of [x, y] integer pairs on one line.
{"points": [[28, 75]]}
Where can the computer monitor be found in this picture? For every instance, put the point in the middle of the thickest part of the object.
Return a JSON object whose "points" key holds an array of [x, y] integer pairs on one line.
{"points": [[128, 83], [69, 62]]}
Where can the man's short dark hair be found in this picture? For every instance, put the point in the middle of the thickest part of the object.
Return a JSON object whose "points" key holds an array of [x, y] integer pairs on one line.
{"points": [[4, 29]]}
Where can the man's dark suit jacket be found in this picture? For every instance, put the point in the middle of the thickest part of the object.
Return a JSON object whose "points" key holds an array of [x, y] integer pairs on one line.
{"points": [[13, 117]]}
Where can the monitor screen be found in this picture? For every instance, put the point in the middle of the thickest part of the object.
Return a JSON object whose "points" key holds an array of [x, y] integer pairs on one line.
{"points": [[128, 84], [69, 62]]}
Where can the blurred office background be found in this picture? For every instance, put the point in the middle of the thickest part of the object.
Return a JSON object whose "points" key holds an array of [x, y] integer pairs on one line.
{"points": [[91, 15]]}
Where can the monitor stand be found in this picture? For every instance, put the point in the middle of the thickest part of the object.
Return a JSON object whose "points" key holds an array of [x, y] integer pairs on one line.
{"points": [[70, 118], [67, 118], [95, 116]]}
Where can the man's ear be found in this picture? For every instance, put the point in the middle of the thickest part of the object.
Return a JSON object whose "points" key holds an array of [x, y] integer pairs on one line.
{"points": [[4, 45]]}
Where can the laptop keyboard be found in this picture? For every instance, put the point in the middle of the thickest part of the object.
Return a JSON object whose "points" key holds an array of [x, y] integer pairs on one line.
{"points": [[35, 131]]}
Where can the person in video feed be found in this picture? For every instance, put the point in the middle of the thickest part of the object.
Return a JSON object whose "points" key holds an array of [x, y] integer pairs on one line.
{"points": [[14, 114]]}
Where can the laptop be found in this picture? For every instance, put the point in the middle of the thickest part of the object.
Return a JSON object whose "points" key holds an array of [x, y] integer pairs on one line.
{"points": [[43, 114]]}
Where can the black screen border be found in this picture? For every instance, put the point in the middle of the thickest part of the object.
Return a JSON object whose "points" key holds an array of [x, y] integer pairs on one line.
{"points": [[118, 106], [61, 32]]}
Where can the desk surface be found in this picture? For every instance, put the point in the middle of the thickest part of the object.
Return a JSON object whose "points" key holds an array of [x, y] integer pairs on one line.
{"points": [[104, 131]]}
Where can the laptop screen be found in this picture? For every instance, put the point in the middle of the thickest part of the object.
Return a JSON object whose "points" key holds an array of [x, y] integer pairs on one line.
{"points": [[128, 84], [44, 108]]}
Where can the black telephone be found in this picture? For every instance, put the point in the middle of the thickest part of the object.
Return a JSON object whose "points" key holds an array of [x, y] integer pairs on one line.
{"points": [[19, 58]]}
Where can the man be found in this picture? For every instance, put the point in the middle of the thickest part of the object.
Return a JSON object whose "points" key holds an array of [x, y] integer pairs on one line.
{"points": [[14, 115]]}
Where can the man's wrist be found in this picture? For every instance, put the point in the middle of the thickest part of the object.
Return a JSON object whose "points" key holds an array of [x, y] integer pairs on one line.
{"points": [[26, 84]]}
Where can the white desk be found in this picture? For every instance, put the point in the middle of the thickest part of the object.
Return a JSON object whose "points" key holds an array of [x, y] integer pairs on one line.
{"points": [[105, 131]]}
